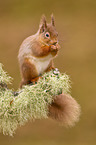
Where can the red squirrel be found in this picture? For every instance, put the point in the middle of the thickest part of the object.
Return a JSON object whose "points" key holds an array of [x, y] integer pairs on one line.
{"points": [[37, 52], [35, 57]]}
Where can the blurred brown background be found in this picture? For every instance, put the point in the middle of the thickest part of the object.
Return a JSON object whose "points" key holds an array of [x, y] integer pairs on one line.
{"points": [[76, 25]]}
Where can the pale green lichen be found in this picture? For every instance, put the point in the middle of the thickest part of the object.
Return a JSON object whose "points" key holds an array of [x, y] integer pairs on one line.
{"points": [[4, 77], [32, 100]]}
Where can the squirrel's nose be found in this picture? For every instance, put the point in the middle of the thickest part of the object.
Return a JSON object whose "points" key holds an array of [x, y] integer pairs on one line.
{"points": [[53, 42]]}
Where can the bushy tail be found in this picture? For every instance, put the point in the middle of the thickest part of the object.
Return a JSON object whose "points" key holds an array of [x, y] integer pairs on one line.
{"points": [[65, 109]]}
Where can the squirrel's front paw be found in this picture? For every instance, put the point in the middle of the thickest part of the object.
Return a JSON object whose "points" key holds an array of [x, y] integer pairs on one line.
{"points": [[54, 49]]}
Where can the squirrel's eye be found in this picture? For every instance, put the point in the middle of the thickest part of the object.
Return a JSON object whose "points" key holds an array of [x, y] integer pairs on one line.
{"points": [[47, 35]]}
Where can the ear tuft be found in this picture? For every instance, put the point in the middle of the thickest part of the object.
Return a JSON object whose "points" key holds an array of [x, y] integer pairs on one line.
{"points": [[52, 20], [43, 24]]}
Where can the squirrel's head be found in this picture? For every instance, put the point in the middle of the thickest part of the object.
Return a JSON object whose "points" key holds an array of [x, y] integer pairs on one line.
{"points": [[47, 32]]}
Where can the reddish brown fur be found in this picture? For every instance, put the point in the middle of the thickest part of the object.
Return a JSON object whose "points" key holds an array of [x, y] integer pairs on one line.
{"points": [[39, 47], [28, 72], [40, 50], [65, 109]]}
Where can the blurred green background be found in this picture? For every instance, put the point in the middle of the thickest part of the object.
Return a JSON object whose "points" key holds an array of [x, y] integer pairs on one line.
{"points": [[76, 25]]}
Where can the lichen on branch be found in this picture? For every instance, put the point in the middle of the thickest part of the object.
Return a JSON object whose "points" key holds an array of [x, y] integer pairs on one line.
{"points": [[31, 102], [4, 77]]}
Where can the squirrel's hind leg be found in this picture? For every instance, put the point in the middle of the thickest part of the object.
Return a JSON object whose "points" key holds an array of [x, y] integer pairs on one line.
{"points": [[24, 82], [28, 72]]}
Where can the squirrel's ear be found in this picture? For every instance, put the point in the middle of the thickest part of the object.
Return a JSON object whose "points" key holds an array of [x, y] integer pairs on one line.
{"points": [[52, 20], [43, 24]]}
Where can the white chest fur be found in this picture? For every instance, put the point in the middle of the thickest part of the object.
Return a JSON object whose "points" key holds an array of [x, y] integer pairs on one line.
{"points": [[41, 64]]}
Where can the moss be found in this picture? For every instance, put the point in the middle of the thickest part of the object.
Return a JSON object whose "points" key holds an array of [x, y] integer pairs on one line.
{"points": [[32, 100], [4, 77]]}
